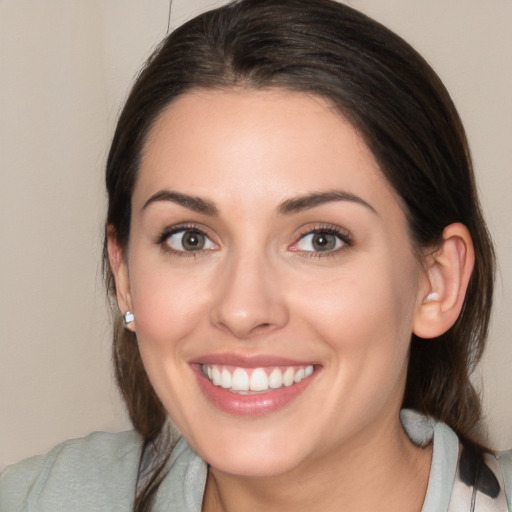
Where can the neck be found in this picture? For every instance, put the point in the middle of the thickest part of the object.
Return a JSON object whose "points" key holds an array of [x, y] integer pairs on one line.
{"points": [[376, 472]]}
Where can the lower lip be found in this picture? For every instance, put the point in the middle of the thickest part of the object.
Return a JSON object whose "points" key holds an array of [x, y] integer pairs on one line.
{"points": [[257, 404]]}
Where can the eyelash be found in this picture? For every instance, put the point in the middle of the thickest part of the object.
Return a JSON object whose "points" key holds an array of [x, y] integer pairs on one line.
{"points": [[343, 236], [168, 232], [328, 229]]}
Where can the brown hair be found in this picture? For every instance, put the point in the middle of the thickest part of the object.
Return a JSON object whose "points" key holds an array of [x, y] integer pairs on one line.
{"points": [[406, 117]]}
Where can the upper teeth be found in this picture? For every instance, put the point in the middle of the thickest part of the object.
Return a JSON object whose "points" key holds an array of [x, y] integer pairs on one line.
{"points": [[257, 379]]}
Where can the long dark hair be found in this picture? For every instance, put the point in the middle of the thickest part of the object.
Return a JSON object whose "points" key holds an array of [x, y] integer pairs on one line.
{"points": [[406, 117]]}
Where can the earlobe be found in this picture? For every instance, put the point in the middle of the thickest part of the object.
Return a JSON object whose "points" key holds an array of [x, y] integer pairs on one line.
{"points": [[449, 270], [120, 270]]}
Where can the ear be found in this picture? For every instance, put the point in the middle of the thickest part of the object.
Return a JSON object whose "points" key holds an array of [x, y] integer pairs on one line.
{"points": [[448, 272], [119, 268]]}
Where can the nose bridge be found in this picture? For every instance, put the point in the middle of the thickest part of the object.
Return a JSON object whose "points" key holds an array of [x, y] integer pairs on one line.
{"points": [[249, 299]]}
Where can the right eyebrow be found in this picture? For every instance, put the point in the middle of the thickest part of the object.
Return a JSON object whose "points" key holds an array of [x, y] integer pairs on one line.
{"points": [[193, 203]]}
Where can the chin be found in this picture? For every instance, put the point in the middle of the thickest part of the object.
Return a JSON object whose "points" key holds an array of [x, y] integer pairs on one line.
{"points": [[258, 453], [254, 463]]}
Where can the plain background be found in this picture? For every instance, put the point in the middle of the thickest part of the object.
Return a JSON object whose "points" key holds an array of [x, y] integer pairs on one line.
{"points": [[65, 69]]}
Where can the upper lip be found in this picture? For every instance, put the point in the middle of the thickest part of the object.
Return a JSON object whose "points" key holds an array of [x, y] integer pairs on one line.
{"points": [[254, 361]]}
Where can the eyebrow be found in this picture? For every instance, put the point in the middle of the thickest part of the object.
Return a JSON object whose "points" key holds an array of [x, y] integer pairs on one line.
{"points": [[195, 204], [308, 201], [290, 206]]}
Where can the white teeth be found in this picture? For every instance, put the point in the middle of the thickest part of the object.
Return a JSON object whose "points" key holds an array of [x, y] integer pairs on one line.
{"points": [[289, 377], [225, 379], [216, 377], [275, 379], [245, 380], [240, 380], [259, 380], [300, 375]]}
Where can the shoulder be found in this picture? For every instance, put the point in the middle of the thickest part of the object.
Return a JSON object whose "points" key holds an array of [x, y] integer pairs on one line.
{"points": [[97, 472], [505, 461], [460, 477], [184, 484]]}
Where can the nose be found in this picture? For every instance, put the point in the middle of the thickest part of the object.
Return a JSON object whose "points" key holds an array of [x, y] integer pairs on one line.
{"points": [[249, 300]]}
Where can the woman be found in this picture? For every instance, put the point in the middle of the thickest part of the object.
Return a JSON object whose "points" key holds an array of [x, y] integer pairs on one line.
{"points": [[297, 251]]}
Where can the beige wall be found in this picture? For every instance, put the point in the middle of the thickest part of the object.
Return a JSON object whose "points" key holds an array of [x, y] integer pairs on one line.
{"points": [[64, 70]]}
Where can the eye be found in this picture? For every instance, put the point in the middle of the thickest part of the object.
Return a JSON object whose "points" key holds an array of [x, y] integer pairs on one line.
{"points": [[187, 240], [321, 240]]}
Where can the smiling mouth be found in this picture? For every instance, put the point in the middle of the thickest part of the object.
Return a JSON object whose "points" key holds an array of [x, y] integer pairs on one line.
{"points": [[255, 380]]}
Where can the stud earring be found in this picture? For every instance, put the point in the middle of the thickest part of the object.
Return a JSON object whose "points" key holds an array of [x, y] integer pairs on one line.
{"points": [[128, 318], [431, 297]]}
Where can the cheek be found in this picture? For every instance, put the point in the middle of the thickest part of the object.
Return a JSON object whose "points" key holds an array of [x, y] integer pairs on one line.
{"points": [[365, 314], [372, 296], [168, 305]]}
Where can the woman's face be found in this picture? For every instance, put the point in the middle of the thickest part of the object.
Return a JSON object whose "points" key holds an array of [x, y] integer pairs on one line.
{"points": [[272, 279]]}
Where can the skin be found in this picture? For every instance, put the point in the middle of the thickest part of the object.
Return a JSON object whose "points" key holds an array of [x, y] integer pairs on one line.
{"points": [[258, 287]]}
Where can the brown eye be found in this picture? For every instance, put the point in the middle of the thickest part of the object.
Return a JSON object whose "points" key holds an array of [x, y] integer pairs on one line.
{"points": [[193, 240], [320, 241], [188, 240], [323, 242]]}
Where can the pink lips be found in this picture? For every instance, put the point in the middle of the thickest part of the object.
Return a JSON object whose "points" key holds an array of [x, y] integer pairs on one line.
{"points": [[252, 404]]}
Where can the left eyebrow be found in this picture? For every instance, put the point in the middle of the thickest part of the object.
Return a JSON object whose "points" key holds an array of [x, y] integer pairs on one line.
{"points": [[297, 204]]}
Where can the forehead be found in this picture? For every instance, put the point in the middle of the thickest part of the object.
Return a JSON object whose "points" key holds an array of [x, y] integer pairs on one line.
{"points": [[238, 143]]}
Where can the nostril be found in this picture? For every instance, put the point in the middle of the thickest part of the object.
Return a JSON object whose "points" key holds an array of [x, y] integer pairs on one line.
{"points": [[262, 327]]}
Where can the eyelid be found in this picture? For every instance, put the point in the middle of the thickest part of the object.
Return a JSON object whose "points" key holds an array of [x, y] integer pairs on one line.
{"points": [[342, 234], [169, 231]]}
